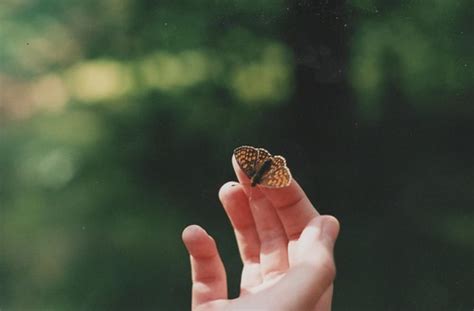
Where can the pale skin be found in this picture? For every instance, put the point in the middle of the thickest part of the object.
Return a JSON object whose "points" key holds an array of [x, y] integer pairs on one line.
{"points": [[286, 249]]}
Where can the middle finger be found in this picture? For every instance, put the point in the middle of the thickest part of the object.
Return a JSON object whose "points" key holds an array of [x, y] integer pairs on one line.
{"points": [[272, 236]]}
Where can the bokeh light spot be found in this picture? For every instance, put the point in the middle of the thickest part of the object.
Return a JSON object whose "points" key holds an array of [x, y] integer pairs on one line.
{"points": [[99, 80], [266, 80]]}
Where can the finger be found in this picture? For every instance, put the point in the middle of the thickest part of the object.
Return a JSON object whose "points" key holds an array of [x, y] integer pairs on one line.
{"points": [[293, 207], [315, 270], [236, 204], [208, 273], [291, 203], [272, 236], [325, 302]]}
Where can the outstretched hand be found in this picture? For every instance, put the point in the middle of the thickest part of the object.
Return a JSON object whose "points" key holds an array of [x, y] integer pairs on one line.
{"points": [[286, 249]]}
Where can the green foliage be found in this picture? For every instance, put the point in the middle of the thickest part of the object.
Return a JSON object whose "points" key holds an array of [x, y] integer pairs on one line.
{"points": [[421, 48]]}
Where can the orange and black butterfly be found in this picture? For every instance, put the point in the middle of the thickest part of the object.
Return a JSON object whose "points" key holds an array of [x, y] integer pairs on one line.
{"points": [[262, 168]]}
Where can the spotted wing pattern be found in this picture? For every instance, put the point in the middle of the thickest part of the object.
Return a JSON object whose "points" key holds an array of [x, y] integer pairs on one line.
{"points": [[262, 156], [246, 157], [278, 176], [279, 161], [251, 159]]}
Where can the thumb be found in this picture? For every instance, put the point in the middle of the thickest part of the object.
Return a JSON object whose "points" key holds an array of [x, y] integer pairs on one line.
{"points": [[314, 269]]}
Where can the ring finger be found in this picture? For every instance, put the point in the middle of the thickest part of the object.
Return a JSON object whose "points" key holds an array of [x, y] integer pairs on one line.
{"points": [[272, 236]]}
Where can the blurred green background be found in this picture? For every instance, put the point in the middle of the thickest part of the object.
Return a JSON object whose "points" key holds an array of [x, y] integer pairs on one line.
{"points": [[118, 119]]}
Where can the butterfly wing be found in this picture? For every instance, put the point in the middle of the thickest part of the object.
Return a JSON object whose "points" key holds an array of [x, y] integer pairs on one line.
{"points": [[246, 157], [278, 176], [279, 161], [263, 154]]}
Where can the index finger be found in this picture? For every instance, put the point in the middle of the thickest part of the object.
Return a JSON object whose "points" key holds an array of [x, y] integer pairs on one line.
{"points": [[291, 203]]}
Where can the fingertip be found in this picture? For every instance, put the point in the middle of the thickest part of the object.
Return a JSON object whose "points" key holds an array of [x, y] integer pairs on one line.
{"points": [[235, 165], [191, 230], [331, 227], [228, 189], [193, 234]]}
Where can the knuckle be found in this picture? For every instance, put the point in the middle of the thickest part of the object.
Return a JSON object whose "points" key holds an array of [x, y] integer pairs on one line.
{"points": [[328, 268]]}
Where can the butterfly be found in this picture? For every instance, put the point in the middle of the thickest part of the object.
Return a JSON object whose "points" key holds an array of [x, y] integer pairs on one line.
{"points": [[262, 168]]}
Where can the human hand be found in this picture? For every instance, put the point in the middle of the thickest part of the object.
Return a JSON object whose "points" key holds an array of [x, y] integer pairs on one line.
{"points": [[286, 248]]}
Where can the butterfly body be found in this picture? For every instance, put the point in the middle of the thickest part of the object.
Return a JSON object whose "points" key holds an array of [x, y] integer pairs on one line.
{"points": [[259, 173], [262, 168]]}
